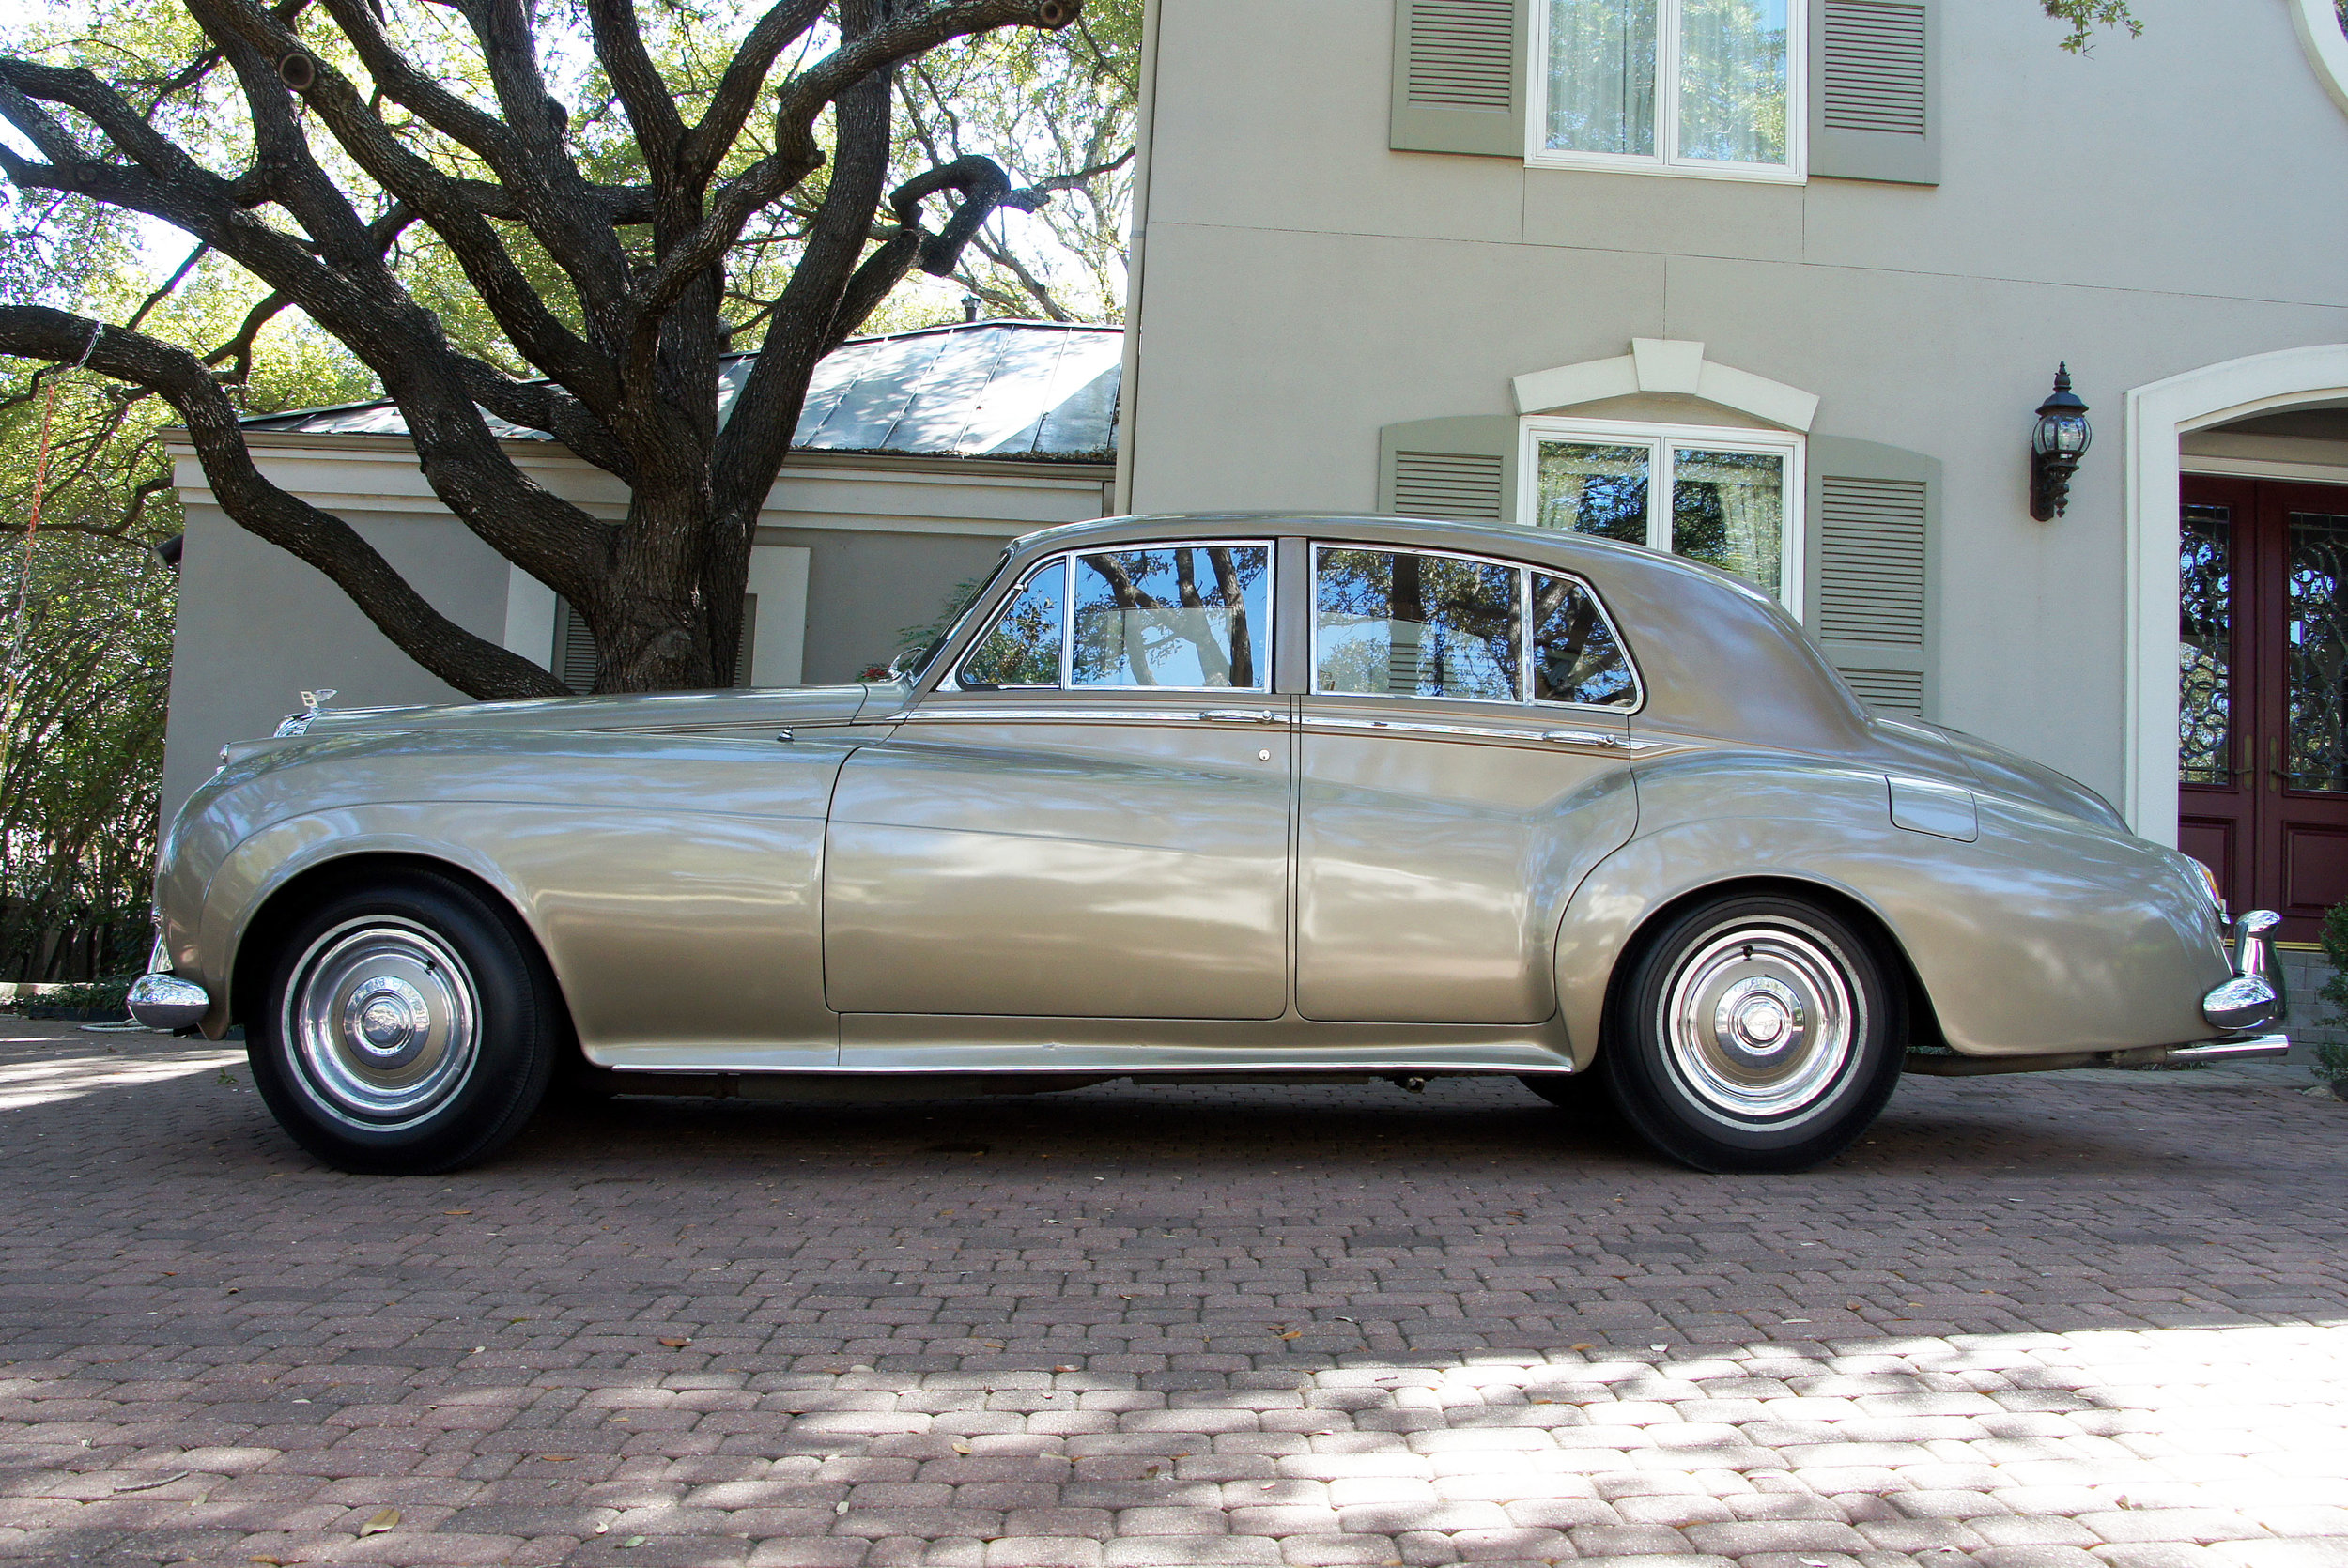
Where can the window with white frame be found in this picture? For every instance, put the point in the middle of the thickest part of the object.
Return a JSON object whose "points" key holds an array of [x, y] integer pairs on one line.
{"points": [[1669, 86], [1727, 497]]}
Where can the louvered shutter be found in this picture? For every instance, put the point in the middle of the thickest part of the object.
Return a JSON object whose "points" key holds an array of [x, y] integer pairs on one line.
{"points": [[1459, 76], [575, 653], [1871, 524], [1875, 96], [1460, 469], [575, 657], [748, 641]]}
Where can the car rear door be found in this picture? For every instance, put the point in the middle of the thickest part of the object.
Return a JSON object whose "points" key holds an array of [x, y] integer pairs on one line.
{"points": [[1457, 777]]}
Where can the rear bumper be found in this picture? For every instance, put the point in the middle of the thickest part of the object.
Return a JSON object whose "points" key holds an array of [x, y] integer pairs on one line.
{"points": [[2236, 1048], [2251, 998]]}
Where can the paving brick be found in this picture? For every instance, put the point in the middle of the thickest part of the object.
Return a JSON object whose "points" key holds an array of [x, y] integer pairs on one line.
{"points": [[879, 1324]]}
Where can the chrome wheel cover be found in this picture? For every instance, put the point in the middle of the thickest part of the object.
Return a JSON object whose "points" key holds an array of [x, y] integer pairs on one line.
{"points": [[1760, 1021], [382, 1020]]}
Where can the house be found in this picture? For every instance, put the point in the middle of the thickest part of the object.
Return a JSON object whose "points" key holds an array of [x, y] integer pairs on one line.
{"points": [[1782, 283], [917, 456]]}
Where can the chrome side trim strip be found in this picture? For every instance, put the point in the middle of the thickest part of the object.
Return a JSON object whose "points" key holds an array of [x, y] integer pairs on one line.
{"points": [[1478, 732], [1054, 716]]}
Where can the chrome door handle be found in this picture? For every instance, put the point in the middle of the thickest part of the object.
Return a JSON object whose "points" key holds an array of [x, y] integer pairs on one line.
{"points": [[1586, 737], [1239, 715]]}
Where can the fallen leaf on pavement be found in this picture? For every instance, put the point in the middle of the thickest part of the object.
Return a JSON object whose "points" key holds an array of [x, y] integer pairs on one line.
{"points": [[387, 1519], [457, 1211], [1294, 1333], [676, 1344], [555, 1458], [962, 1448]]}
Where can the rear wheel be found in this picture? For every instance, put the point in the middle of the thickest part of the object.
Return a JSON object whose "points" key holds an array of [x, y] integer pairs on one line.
{"points": [[1756, 1033], [409, 1026]]}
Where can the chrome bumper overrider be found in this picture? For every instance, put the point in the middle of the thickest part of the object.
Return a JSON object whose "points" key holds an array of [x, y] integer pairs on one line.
{"points": [[162, 1000], [2253, 996]]}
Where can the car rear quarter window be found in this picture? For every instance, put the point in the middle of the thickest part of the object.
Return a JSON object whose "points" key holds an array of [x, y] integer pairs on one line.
{"points": [[1576, 657]]}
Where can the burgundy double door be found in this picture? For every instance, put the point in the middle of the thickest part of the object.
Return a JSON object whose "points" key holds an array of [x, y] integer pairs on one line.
{"points": [[2263, 690]]}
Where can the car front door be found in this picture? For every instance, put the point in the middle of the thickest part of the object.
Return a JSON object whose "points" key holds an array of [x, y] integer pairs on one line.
{"points": [[1089, 819], [1463, 763]]}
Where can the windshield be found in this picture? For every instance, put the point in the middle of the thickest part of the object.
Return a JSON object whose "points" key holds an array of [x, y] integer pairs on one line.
{"points": [[910, 666]]}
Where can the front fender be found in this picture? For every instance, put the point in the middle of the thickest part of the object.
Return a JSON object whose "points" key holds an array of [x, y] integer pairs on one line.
{"points": [[2045, 933]]}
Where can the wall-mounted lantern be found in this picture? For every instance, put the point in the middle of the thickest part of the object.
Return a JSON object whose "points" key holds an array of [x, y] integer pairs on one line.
{"points": [[2056, 447]]}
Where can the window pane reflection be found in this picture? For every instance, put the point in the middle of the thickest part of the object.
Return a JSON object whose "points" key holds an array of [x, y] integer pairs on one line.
{"points": [[1023, 649], [2317, 651], [1575, 656], [1588, 488], [1601, 76], [1401, 623], [2205, 645], [1728, 510], [1732, 80], [1193, 616]]}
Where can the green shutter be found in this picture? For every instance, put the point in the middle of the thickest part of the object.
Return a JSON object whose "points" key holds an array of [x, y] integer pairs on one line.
{"points": [[1458, 77], [1874, 91], [1870, 569], [1464, 470], [575, 657]]}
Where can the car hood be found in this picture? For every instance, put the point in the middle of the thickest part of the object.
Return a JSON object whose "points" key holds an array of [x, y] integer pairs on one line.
{"points": [[660, 711], [2010, 774]]}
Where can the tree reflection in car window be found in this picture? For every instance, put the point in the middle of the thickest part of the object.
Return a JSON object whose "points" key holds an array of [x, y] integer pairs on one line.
{"points": [[1022, 649], [1575, 656], [1398, 622], [1183, 616]]}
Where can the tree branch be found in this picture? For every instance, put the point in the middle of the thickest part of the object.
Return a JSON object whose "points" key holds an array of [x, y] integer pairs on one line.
{"points": [[469, 663]]}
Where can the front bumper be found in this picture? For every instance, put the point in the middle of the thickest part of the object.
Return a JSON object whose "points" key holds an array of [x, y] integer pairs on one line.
{"points": [[162, 1000]]}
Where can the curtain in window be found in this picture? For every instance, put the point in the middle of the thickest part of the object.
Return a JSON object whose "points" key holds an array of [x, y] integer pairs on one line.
{"points": [[1587, 488], [1601, 76], [1728, 510], [1732, 80]]}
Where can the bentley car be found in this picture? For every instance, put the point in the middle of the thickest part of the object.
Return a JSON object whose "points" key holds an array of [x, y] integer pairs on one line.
{"points": [[1185, 798]]}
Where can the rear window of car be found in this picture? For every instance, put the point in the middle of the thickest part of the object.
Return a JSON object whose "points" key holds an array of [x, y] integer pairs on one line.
{"points": [[1430, 623]]}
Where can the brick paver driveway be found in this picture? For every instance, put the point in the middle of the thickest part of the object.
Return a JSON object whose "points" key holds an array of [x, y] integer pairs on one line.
{"points": [[2027, 1323]]}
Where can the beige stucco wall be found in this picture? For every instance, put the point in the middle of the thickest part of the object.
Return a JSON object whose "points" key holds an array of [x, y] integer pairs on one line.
{"points": [[2137, 212], [886, 543]]}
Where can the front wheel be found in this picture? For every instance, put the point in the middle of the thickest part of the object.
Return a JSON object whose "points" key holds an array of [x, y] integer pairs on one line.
{"points": [[408, 1027], [1756, 1033]]}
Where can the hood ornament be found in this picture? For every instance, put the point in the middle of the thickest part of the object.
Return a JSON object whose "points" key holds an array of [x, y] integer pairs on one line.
{"points": [[312, 701]]}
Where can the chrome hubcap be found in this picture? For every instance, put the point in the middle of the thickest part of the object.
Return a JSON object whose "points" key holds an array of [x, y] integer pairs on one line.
{"points": [[384, 1020], [1760, 1021]]}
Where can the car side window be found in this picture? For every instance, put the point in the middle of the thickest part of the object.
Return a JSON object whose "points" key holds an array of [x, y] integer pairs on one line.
{"points": [[1576, 657], [1183, 616], [1023, 647], [1408, 624]]}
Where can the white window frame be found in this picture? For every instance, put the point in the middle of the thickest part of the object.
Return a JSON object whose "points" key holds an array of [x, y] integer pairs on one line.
{"points": [[1659, 439], [1666, 159]]}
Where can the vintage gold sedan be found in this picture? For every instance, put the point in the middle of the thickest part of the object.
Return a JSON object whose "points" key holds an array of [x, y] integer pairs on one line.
{"points": [[1250, 798]]}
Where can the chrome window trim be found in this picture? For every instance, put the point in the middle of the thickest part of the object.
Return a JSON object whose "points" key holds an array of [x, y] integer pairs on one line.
{"points": [[1524, 571]]}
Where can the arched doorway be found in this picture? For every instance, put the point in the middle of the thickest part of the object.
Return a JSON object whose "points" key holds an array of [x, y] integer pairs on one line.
{"points": [[2237, 488]]}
